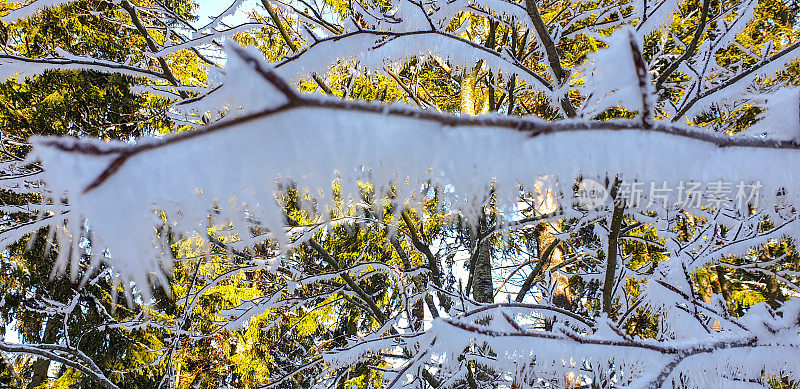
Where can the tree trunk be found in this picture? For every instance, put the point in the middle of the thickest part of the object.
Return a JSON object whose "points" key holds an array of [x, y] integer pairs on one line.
{"points": [[482, 288], [481, 267], [471, 102], [42, 365], [724, 288], [774, 294], [611, 260], [546, 235]]}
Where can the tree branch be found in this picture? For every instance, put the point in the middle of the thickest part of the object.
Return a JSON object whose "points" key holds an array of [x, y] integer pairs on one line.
{"points": [[432, 261], [349, 280], [729, 82], [85, 63], [39, 351], [411, 35], [273, 14], [690, 50], [151, 44], [543, 259], [551, 52], [644, 82], [533, 128]]}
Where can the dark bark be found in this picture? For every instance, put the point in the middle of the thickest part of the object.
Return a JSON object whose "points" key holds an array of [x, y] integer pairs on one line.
{"points": [[690, 50], [551, 52], [724, 288], [482, 288], [42, 365], [151, 44], [544, 258], [611, 255]]}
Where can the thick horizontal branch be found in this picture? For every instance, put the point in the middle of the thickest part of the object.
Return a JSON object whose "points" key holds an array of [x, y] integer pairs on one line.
{"points": [[532, 127]]}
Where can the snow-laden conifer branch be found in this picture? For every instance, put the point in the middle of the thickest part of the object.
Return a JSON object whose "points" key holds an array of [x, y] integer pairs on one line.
{"points": [[13, 65], [31, 9], [739, 82], [680, 350], [373, 47], [67, 356]]}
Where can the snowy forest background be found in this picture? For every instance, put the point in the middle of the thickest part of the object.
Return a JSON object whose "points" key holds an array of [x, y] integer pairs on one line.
{"points": [[400, 193]]}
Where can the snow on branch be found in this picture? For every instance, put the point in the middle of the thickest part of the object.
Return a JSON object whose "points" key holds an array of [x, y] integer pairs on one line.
{"points": [[67, 356], [31, 9], [628, 86], [121, 189], [125, 204], [207, 38], [13, 65], [737, 85], [373, 48]]}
